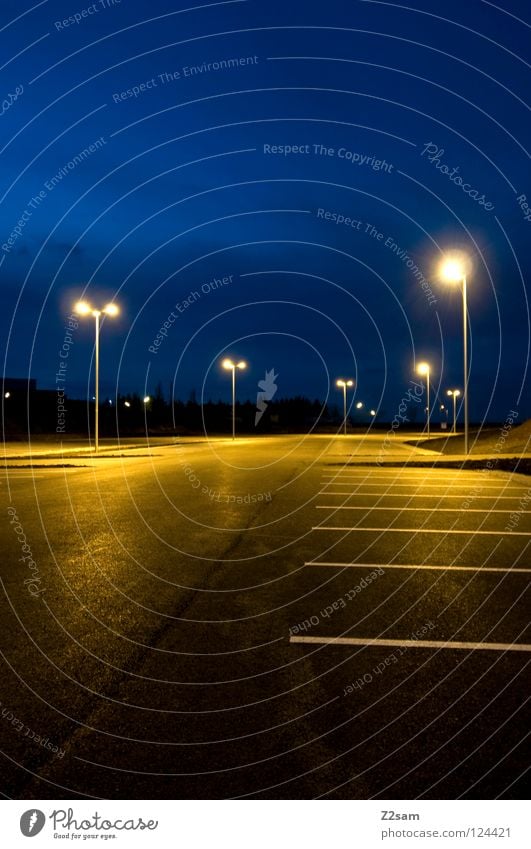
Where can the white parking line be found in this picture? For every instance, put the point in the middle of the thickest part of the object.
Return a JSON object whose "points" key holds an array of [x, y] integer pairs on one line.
{"points": [[421, 485], [422, 531], [385, 566], [371, 473], [418, 509], [420, 644], [419, 495]]}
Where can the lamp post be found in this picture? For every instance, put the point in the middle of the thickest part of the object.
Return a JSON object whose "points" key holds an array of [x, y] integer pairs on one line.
{"points": [[424, 369], [83, 308], [230, 366], [453, 270], [342, 384], [454, 393]]}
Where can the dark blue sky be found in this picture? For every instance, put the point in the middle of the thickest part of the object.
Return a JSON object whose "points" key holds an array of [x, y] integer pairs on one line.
{"points": [[179, 183]]}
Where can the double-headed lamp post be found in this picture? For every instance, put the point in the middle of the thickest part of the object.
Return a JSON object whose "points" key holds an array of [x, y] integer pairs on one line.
{"points": [[454, 393], [342, 384], [424, 369], [230, 366], [83, 308], [453, 270]]}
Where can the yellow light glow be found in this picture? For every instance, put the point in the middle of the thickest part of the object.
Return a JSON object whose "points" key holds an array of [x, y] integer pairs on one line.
{"points": [[241, 364], [82, 308], [228, 364], [359, 405], [147, 399], [373, 412], [454, 268], [340, 382], [111, 309], [455, 392], [423, 368]]}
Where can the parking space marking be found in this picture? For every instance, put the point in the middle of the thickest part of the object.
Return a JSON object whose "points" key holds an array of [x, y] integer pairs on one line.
{"points": [[420, 644], [421, 531], [419, 495], [506, 570], [421, 485], [418, 509]]}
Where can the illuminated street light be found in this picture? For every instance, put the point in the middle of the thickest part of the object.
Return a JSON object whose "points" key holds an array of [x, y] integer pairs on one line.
{"points": [[342, 384], [230, 366], [424, 370], [83, 308], [455, 393], [373, 412], [127, 404], [453, 270], [7, 395], [359, 405], [147, 399]]}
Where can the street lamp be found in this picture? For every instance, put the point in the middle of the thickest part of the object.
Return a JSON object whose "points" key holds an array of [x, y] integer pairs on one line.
{"points": [[342, 384], [454, 393], [424, 369], [373, 412], [359, 405], [230, 366], [453, 270], [83, 308]]}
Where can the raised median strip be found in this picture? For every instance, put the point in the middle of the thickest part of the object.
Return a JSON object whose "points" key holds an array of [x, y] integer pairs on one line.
{"points": [[418, 644]]}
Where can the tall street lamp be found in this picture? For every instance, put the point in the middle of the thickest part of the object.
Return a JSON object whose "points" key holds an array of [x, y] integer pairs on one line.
{"points": [[454, 393], [342, 384], [424, 369], [83, 308], [453, 270], [230, 366]]}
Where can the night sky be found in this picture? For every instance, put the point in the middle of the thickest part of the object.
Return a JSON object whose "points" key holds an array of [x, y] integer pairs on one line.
{"points": [[195, 160]]}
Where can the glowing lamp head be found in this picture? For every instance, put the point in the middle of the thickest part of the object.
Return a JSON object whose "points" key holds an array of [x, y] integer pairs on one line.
{"points": [[359, 405], [147, 399], [341, 383], [423, 368], [373, 412], [228, 364], [241, 365], [111, 309], [454, 268], [82, 308]]}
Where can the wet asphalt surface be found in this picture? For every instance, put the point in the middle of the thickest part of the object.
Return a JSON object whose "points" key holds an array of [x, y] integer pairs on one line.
{"points": [[155, 649]]}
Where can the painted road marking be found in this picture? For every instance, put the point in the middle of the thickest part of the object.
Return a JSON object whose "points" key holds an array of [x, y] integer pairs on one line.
{"points": [[421, 485], [384, 566], [485, 510], [418, 495], [420, 644], [422, 531], [411, 475]]}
